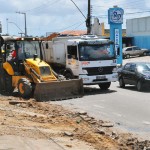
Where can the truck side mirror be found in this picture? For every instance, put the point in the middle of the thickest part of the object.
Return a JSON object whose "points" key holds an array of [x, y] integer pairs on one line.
{"points": [[47, 46]]}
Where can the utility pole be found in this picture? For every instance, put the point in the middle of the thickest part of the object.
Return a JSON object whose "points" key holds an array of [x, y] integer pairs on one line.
{"points": [[0, 27], [88, 20], [7, 25], [24, 21]]}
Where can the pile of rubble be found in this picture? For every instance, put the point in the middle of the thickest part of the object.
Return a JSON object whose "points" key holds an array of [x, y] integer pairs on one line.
{"points": [[41, 120]]}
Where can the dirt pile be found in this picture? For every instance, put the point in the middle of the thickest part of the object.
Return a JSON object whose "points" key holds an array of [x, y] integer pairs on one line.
{"points": [[41, 120]]}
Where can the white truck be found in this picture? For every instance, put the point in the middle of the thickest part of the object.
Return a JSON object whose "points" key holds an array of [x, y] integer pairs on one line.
{"points": [[87, 57]]}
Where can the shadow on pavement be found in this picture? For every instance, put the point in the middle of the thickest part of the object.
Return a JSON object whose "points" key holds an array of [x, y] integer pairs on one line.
{"points": [[133, 88], [95, 91]]}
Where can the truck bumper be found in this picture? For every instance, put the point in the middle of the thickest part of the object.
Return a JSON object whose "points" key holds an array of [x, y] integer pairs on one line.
{"points": [[92, 80]]}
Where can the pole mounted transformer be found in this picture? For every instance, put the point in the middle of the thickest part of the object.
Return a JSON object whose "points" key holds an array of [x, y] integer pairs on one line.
{"points": [[88, 20]]}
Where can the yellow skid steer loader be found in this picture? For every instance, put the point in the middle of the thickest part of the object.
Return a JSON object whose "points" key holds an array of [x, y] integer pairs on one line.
{"points": [[22, 67]]}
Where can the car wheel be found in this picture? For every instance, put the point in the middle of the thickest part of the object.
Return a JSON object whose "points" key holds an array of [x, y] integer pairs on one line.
{"points": [[121, 83], [144, 54], [127, 56], [139, 85]]}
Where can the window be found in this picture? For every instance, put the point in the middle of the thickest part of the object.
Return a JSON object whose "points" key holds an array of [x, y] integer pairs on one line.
{"points": [[136, 48], [72, 52], [127, 67], [45, 71], [96, 52], [132, 67], [129, 49]]}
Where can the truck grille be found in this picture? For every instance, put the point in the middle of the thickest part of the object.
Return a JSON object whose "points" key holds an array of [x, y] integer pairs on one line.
{"points": [[99, 70]]}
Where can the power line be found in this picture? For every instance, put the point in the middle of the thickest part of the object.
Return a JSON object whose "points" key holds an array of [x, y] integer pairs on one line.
{"points": [[140, 12], [70, 26], [78, 9], [122, 3], [79, 25], [76, 28], [43, 5]]}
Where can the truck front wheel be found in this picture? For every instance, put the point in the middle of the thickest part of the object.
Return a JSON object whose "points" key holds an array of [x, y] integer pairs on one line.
{"points": [[105, 86]]}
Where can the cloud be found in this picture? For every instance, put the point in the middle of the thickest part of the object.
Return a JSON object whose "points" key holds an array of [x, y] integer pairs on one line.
{"points": [[57, 15]]}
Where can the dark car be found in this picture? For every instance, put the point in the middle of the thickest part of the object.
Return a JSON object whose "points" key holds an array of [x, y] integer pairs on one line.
{"points": [[134, 51], [136, 73]]}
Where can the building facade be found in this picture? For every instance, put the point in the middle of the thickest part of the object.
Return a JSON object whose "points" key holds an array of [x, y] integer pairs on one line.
{"points": [[139, 30]]}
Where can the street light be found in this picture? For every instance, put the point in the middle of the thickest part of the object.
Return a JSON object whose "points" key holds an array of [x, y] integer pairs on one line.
{"points": [[17, 27], [24, 21]]}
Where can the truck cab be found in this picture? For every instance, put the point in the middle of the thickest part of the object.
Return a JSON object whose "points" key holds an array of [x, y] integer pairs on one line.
{"points": [[88, 58]]}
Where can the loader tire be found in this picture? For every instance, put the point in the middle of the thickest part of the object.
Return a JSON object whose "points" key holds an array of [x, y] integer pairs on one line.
{"points": [[24, 88], [6, 82]]}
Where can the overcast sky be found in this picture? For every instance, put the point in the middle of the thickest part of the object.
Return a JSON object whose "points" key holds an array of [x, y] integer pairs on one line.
{"points": [[44, 16]]}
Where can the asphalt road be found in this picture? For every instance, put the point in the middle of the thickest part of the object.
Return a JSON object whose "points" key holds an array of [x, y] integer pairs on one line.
{"points": [[127, 108]]}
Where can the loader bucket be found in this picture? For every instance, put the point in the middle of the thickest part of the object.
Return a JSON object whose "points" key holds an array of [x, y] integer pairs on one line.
{"points": [[59, 90]]}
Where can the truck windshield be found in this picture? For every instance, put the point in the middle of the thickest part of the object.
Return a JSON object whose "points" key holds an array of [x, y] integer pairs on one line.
{"points": [[96, 52], [26, 49]]}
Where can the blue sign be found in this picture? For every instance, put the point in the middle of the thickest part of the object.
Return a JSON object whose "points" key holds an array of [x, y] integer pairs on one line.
{"points": [[115, 15], [115, 19]]}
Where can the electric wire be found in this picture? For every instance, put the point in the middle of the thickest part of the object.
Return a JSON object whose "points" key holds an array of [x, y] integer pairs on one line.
{"points": [[43, 5], [76, 28], [69, 26], [78, 8], [135, 3]]}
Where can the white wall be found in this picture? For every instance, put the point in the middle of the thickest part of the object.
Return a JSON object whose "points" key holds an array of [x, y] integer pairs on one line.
{"points": [[138, 26]]}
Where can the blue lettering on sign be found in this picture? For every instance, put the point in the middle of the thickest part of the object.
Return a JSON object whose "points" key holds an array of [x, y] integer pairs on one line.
{"points": [[116, 15]]}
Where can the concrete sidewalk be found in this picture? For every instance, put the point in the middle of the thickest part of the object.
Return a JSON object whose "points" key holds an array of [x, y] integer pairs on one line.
{"points": [[11, 142]]}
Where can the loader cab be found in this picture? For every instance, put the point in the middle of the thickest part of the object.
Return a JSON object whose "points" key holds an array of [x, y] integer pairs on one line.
{"points": [[17, 50]]}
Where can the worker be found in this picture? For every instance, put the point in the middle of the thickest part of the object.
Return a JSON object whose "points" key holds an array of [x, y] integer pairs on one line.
{"points": [[13, 54]]}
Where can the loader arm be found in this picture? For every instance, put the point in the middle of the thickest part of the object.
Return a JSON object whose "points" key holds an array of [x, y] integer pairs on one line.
{"points": [[47, 85], [33, 75]]}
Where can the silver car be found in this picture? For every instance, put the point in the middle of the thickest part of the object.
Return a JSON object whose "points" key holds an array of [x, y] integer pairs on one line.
{"points": [[134, 51]]}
